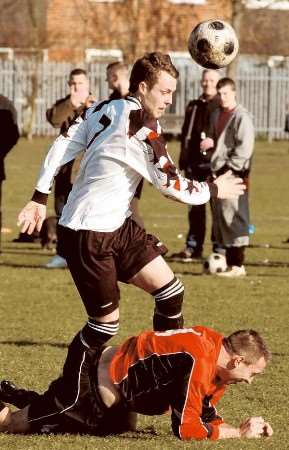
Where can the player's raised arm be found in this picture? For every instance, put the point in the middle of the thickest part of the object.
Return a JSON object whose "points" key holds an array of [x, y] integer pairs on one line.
{"points": [[63, 150], [156, 165]]}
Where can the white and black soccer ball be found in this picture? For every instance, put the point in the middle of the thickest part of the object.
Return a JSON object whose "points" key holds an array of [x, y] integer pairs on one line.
{"points": [[213, 44], [215, 263]]}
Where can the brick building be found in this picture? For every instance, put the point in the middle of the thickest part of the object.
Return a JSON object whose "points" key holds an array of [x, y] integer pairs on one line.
{"points": [[73, 30], [77, 30]]}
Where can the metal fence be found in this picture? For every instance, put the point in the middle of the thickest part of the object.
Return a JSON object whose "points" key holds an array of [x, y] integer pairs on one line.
{"points": [[262, 90]]}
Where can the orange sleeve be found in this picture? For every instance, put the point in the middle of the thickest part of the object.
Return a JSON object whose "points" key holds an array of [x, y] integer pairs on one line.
{"points": [[191, 425], [188, 424]]}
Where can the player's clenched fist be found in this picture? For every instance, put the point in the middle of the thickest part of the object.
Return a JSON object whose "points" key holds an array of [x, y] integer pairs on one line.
{"points": [[255, 427], [32, 216]]}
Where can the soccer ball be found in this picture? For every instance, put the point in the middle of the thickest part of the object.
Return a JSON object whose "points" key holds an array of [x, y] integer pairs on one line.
{"points": [[213, 44], [215, 263]]}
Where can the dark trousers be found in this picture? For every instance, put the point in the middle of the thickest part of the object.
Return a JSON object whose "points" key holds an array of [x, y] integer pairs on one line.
{"points": [[60, 200], [197, 215], [0, 215], [197, 228], [235, 256]]}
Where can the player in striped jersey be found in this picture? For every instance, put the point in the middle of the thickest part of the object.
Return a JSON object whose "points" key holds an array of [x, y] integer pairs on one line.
{"points": [[101, 243], [185, 371]]}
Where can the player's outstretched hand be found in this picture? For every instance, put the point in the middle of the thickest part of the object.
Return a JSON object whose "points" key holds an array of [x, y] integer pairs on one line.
{"points": [[255, 427], [32, 216], [229, 186]]}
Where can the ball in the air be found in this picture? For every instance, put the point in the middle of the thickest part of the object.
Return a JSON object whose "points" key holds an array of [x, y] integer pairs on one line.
{"points": [[213, 44]]}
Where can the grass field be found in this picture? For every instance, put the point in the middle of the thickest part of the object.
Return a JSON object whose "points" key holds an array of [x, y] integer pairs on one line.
{"points": [[41, 310]]}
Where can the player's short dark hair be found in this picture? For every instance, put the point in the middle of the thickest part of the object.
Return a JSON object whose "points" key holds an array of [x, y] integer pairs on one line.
{"points": [[247, 343], [77, 71], [117, 65], [148, 68], [226, 82]]}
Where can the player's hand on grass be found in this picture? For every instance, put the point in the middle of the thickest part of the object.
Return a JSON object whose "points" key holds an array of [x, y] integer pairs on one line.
{"points": [[229, 186], [255, 427], [32, 216]]}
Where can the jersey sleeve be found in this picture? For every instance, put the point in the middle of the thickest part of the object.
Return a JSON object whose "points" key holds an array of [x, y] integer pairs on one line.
{"points": [[146, 152], [194, 415], [64, 149]]}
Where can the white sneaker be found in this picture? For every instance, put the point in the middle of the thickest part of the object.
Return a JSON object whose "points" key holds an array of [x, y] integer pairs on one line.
{"points": [[233, 272], [57, 262]]}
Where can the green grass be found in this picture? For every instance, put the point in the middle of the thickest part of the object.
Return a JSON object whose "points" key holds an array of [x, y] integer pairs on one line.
{"points": [[41, 310]]}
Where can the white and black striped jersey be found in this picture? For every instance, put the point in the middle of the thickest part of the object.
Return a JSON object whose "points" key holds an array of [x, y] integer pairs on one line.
{"points": [[122, 145]]}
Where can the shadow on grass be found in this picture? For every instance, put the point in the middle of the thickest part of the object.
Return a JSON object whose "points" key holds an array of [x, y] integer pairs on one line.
{"points": [[27, 251], [280, 355], [274, 247], [265, 263], [28, 266], [32, 344], [142, 433]]}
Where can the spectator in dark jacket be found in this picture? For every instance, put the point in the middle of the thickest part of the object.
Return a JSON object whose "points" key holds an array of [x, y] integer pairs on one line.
{"points": [[9, 137], [196, 164], [61, 115]]}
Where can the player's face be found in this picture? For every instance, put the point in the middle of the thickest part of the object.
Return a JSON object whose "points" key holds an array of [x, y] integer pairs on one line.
{"points": [[240, 372], [227, 97], [79, 83], [209, 83], [156, 99]]}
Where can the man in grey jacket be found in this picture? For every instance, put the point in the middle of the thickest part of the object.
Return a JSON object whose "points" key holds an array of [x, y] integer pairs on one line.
{"points": [[232, 136]]}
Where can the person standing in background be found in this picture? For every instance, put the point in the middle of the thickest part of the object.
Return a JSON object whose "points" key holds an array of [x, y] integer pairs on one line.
{"points": [[9, 138], [61, 115], [117, 77], [232, 139], [194, 162]]}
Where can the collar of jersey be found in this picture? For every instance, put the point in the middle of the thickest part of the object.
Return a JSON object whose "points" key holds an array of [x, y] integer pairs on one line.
{"points": [[134, 100]]}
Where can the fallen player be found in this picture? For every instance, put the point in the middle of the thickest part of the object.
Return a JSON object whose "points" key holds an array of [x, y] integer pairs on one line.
{"points": [[185, 371]]}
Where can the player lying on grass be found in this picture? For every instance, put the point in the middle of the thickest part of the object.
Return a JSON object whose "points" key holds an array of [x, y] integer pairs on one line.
{"points": [[185, 371]]}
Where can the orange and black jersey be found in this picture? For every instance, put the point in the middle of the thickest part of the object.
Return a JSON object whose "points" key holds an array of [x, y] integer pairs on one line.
{"points": [[174, 369]]}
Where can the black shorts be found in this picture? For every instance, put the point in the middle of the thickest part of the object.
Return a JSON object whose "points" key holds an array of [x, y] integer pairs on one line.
{"points": [[98, 260], [72, 403]]}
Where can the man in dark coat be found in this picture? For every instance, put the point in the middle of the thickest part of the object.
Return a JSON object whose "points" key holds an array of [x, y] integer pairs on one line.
{"points": [[9, 137], [194, 162]]}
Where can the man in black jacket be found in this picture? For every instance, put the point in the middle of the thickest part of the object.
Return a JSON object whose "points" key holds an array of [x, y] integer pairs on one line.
{"points": [[196, 164], [9, 137], [61, 115]]}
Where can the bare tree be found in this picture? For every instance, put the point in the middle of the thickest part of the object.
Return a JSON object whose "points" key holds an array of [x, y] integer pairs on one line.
{"points": [[238, 8], [35, 14]]}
